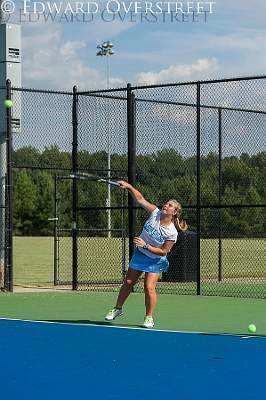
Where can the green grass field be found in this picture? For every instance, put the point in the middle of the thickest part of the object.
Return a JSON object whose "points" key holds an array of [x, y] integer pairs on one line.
{"points": [[100, 259]]}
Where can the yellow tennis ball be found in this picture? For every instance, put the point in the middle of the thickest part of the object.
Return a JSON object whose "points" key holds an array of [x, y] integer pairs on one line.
{"points": [[8, 103], [252, 328]]}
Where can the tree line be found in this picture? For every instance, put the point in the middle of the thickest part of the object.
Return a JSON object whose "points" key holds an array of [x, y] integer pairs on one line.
{"points": [[161, 175]]}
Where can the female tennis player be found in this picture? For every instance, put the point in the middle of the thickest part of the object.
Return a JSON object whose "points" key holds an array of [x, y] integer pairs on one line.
{"points": [[158, 236]]}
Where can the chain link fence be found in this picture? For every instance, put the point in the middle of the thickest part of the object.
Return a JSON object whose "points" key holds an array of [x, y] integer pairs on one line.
{"points": [[213, 169], [41, 150], [166, 122], [101, 209], [233, 133], [202, 143]]}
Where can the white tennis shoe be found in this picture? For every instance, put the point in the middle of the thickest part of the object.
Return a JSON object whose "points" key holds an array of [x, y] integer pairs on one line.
{"points": [[148, 322], [112, 314]]}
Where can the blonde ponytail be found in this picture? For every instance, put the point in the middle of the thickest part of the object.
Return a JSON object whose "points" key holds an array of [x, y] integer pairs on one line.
{"points": [[177, 220]]}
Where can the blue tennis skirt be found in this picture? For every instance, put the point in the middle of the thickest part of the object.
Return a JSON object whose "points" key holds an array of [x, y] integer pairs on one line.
{"points": [[141, 262]]}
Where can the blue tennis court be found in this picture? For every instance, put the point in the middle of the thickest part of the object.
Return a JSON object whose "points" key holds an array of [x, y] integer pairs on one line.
{"points": [[46, 359]]}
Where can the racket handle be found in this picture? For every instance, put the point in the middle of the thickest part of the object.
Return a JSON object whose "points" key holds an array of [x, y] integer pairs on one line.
{"points": [[114, 183], [72, 176]]}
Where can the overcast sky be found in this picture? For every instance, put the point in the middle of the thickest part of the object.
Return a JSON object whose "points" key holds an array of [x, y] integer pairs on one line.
{"points": [[229, 42]]}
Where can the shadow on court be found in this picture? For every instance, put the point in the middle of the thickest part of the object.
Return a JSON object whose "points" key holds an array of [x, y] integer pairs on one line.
{"points": [[91, 322], [119, 325]]}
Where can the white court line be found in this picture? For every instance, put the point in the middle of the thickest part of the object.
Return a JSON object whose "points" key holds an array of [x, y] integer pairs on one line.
{"points": [[132, 328], [247, 337]]}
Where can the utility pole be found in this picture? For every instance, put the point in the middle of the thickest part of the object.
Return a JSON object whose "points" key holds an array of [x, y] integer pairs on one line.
{"points": [[106, 49]]}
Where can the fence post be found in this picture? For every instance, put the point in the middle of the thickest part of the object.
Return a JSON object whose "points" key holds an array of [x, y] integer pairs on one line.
{"points": [[198, 189], [56, 239], [220, 197], [9, 196], [131, 129], [74, 191]]}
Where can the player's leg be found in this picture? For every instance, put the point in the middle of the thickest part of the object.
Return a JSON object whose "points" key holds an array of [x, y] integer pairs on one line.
{"points": [[150, 281], [131, 279]]}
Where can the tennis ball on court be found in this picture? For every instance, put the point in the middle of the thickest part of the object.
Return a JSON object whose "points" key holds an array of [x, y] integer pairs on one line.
{"points": [[8, 103], [252, 328]]}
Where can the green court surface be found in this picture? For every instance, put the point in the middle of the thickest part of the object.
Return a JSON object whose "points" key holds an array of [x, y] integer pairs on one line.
{"points": [[180, 313]]}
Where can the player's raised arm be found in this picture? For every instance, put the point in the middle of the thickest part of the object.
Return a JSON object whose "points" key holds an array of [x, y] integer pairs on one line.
{"points": [[137, 196]]}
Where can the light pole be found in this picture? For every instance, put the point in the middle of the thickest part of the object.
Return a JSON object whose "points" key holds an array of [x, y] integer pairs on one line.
{"points": [[106, 49]]}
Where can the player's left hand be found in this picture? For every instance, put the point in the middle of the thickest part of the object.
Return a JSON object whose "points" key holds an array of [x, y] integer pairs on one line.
{"points": [[138, 242]]}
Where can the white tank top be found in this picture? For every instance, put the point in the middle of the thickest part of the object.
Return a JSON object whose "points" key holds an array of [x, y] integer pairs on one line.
{"points": [[155, 234]]}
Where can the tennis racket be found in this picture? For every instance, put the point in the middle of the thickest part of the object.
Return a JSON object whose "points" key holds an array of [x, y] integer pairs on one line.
{"points": [[95, 178]]}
